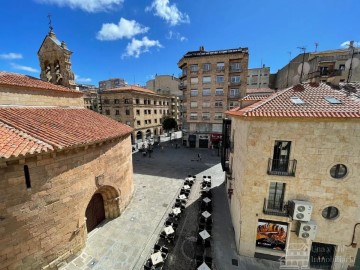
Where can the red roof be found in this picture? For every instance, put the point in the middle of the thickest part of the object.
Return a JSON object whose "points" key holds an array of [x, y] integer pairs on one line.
{"points": [[32, 130], [14, 79], [255, 97], [315, 105], [131, 88]]}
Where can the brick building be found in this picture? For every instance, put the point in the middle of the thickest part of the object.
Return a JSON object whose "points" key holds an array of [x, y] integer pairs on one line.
{"points": [[292, 163], [211, 81], [137, 107]]}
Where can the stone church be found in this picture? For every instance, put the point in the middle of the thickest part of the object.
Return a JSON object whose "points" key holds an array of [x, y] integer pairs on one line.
{"points": [[63, 169]]}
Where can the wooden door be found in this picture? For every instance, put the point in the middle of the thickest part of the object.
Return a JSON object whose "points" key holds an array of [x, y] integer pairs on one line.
{"points": [[95, 212]]}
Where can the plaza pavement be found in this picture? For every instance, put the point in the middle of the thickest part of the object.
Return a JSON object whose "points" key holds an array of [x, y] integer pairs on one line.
{"points": [[126, 242]]}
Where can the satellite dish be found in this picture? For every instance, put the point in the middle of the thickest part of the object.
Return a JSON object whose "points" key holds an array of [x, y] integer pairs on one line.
{"points": [[355, 63], [306, 68]]}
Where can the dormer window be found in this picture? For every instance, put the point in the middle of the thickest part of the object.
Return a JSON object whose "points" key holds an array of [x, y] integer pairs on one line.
{"points": [[297, 100]]}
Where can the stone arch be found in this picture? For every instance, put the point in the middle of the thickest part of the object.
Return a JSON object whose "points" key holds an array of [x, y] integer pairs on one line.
{"points": [[148, 133], [111, 198], [139, 135]]}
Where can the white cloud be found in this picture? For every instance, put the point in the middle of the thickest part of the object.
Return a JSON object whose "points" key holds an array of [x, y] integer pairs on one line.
{"points": [[137, 47], [169, 13], [176, 35], [86, 5], [347, 43], [25, 68], [80, 79], [11, 56], [124, 29]]}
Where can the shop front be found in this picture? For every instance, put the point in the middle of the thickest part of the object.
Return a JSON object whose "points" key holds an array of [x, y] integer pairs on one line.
{"points": [[216, 139], [203, 141]]}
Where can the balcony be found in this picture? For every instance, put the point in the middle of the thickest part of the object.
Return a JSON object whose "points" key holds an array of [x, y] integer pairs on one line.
{"points": [[182, 86], [220, 69], [182, 75], [233, 69], [193, 117], [282, 167], [275, 208]]}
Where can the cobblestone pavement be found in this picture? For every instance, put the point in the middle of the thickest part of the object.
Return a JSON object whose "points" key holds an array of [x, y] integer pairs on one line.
{"points": [[126, 242]]}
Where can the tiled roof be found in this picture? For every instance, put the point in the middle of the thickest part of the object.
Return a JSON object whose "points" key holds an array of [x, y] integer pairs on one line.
{"points": [[352, 89], [30, 130], [259, 90], [315, 104], [131, 88], [14, 79], [256, 97]]}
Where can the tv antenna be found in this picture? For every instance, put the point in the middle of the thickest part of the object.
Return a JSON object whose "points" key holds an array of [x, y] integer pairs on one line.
{"points": [[316, 46], [303, 60], [50, 24]]}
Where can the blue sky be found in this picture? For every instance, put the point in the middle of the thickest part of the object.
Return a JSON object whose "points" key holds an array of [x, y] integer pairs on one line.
{"points": [[134, 39]]}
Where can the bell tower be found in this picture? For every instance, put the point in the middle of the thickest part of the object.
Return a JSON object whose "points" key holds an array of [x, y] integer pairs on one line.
{"points": [[54, 58]]}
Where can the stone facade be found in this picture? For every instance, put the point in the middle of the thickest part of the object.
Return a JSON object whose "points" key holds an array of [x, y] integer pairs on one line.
{"points": [[141, 110], [258, 77], [44, 224], [211, 81], [317, 145]]}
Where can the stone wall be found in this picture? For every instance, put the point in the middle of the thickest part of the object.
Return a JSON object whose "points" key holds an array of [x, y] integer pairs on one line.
{"points": [[317, 145], [20, 96], [47, 221]]}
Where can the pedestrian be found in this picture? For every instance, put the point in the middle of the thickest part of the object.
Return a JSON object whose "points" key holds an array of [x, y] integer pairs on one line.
{"points": [[199, 156]]}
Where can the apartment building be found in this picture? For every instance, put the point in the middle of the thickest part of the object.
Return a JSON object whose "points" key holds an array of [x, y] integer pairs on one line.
{"points": [[212, 82], [137, 107], [168, 85], [292, 163], [331, 66], [258, 77], [90, 96]]}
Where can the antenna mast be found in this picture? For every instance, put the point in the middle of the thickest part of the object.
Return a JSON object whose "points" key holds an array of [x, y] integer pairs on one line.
{"points": [[316, 46], [303, 60]]}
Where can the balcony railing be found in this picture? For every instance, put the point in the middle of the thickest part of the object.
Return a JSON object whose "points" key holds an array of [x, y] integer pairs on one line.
{"points": [[283, 167], [233, 69], [220, 69], [206, 118], [193, 117], [275, 208]]}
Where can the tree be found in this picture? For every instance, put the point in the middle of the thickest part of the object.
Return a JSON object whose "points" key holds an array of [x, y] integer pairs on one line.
{"points": [[169, 123]]}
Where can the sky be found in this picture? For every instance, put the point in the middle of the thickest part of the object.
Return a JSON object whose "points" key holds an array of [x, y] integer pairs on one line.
{"points": [[137, 39]]}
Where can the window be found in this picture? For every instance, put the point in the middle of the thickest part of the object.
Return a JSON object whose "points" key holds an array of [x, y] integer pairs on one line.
{"points": [[127, 101], [117, 112], [235, 66], [184, 71], [235, 79], [106, 101], [338, 171], [137, 112], [332, 100], [218, 116], [330, 212], [194, 68], [193, 104], [107, 112], [137, 101], [234, 92], [149, 121], [116, 101], [149, 111], [206, 92], [146, 121], [219, 92], [220, 79], [276, 196], [155, 121], [297, 100], [27, 176], [233, 104], [193, 93], [194, 80], [145, 111], [207, 67], [155, 111], [205, 115], [206, 79], [127, 112], [193, 116], [218, 103], [138, 123], [220, 66], [206, 104], [145, 101], [160, 111]]}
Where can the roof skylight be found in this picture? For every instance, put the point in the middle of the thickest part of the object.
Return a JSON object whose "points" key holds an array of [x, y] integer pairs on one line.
{"points": [[297, 100], [333, 100]]}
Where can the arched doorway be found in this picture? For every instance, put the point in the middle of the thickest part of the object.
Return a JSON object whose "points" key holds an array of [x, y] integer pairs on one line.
{"points": [[139, 135], [155, 131], [95, 212], [148, 133]]}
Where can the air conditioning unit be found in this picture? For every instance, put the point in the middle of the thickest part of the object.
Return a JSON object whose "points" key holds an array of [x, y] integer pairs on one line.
{"points": [[306, 230], [300, 210]]}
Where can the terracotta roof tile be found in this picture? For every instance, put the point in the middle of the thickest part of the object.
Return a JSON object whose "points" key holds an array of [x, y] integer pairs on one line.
{"points": [[131, 88], [256, 97], [315, 105], [14, 79], [32, 130]]}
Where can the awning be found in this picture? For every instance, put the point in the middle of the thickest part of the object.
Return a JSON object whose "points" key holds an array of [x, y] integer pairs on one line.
{"points": [[216, 137]]}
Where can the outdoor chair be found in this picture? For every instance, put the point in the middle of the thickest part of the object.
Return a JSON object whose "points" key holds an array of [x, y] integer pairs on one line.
{"points": [[156, 248], [164, 249], [208, 261], [207, 243]]}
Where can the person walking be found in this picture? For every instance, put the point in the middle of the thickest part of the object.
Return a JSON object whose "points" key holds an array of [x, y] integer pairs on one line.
{"points": [[199, 156]]}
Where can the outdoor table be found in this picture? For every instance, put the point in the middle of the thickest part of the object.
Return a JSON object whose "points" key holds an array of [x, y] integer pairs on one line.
{"points": [[176, 210], [203, 266], [206, 214], [206, 189], [207, 179], [182, 197], [204, 234], [156, 258], [169, 230], [186, 187], [206, 200], [189, 178]]}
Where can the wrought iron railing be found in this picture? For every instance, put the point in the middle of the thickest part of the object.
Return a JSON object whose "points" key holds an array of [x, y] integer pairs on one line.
{"points": [[283, 167], [275, 208]]}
